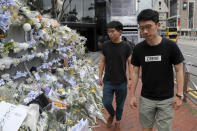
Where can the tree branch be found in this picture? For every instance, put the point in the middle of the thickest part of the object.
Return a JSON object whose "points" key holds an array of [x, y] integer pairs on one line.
{"points": [[63, 10]]}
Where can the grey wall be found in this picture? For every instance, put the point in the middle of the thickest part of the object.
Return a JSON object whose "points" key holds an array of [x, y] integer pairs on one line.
{"points": [[123, 7], [173, 8], [16, 33], [145, 4]]}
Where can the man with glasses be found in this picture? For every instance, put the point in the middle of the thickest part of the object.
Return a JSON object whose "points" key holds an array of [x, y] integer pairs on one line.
{"points": [[114, 59], [156, 56]]}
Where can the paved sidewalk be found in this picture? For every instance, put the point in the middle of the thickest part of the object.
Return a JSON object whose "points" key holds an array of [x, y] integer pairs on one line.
{"points": [[187, 42], [185, 118]]}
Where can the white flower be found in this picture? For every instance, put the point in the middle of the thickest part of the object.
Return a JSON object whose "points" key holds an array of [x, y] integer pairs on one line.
{"points": [[6, 76], [28, 57], [53, 78], [2, 82], [60, 71], [2, 67], [10, 83], [67, 28], [24, 9], [17, 50], [46, 37], [23, 46], [6, 61], [82, 100], [41, 55], [35, 20], [16, 61], [26, 27], [38, 25], [15, 95], [29, 80]]}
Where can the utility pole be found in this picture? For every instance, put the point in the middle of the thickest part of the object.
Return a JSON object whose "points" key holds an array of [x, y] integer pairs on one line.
{"points": [[138, 4], [152, 3]]}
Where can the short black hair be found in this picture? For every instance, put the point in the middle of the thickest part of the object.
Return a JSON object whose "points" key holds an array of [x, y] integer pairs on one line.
{"points": [[148, 14], [115, 24]]}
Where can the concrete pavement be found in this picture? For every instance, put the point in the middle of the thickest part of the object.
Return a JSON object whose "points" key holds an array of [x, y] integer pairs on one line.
{"points": [[187, 42]]}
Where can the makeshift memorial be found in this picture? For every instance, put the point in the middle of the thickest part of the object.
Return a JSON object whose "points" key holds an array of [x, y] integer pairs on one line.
{"points": [[32, 72]]}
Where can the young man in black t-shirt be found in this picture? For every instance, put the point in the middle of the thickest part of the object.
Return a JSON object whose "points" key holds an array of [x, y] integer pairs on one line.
{"points": [[156, 56], [114, 59]]}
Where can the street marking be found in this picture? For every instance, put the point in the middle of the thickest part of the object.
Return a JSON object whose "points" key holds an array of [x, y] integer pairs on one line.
{"points": [[192, 90], [193, 93]]}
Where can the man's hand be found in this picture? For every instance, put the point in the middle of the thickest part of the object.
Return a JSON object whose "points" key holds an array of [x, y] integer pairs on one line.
{"points": [[133, 102], [100, 81], [177, 103]]}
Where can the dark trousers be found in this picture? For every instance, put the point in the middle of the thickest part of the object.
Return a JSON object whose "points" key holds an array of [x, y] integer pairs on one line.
{"points": [[120, 91]]}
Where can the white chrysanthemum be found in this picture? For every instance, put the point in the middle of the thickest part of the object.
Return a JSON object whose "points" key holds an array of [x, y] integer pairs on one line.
{"points": [[26, 27], [2, 67], [67, 28], [46, 37], [10, 83], [41, 55], [6, 76], [16, 61], [35, 20], [29, 80], [17, 50], [38, 25]]}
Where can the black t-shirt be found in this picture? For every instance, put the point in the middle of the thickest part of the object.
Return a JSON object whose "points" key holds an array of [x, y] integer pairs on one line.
{"points": [[157, 68], [115, 61], [132, 45]]}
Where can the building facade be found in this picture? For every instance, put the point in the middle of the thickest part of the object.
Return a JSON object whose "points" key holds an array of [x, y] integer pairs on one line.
{"points": [[144, 4], [183, 15], [158, 5], [163, 10]]}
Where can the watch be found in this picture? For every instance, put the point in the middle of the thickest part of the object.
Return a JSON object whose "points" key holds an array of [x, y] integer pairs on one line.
{"points": [[180, 96]]}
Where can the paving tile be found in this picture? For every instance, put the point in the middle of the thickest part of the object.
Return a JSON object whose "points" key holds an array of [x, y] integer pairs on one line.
{"points": [[185, 118]]}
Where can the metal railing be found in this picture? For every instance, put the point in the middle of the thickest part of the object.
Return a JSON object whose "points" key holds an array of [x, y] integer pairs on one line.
{"points": [[187, 81]]}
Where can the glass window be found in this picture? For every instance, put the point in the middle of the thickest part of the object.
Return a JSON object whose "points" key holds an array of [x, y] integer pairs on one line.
{"points": [[172, 36], [184, 5], [83, 10], [76, 10], [172, 29], [191, 14]]}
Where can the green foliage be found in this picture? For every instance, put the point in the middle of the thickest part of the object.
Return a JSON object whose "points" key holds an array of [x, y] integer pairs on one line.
{"points": [[7, 46]]}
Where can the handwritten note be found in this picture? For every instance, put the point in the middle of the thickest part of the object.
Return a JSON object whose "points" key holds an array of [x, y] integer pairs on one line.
{"points": [[11, 116]]}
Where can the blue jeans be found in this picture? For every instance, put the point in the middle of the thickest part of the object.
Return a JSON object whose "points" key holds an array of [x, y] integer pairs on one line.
{"points": [[120, 91]]}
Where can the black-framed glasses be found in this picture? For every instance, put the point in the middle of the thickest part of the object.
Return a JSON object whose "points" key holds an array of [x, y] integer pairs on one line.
{"points": [[111, 31], [147, 27]]}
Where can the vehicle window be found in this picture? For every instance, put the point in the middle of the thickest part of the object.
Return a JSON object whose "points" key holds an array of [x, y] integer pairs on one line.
{"points": [[172, 36], [172, 29]]}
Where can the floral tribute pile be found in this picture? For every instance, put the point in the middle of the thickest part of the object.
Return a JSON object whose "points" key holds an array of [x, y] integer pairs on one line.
{"points": [[59, 90]]}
